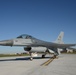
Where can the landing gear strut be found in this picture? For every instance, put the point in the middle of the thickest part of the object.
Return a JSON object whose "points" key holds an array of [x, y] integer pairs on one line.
{"points": [[54, 56], [31, 58], [43, 56]]}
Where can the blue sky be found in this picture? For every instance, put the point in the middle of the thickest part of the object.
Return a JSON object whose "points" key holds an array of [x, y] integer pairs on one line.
{"points": [[43, 19]]}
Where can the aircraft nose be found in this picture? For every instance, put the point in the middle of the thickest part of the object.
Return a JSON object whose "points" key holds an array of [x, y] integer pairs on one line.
{"points": [[6, 42]]}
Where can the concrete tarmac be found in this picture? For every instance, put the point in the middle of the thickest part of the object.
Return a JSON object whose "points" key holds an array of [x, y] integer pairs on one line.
{"points": [[64, 65]]}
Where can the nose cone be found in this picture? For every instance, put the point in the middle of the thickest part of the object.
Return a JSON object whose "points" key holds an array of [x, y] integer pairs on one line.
{"points": [[6, 42]]}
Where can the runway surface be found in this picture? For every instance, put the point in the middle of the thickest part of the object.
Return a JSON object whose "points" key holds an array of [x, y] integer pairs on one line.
{"points": [[64, 65]]}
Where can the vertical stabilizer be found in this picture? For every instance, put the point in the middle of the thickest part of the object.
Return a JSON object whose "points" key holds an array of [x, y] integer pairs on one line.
{"points": [[59, 40]]}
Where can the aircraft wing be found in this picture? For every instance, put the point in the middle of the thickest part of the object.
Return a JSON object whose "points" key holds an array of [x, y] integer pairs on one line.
{"points": [[72, 48], [55, 47], [64, 45]]}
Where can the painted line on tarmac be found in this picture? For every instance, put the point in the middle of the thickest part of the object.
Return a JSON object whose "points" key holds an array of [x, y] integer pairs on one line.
{"points": [[47, 62]]}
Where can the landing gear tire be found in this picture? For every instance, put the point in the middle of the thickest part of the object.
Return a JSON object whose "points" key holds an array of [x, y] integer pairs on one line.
{"points": [[54, 56], [43, 56], [31, 58]]}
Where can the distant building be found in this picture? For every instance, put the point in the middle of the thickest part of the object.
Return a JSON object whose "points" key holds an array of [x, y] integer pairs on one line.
{"points": [[69, 51]]}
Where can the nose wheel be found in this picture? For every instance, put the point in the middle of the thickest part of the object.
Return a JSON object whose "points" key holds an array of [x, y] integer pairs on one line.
{"points": [[31, 58]]}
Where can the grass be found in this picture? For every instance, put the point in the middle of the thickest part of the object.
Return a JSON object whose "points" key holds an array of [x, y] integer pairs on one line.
{"points": [[70, 52], [12, 55]]}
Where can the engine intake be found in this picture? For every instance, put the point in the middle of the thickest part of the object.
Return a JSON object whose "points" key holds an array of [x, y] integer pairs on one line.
{"points": [[27, 48]]}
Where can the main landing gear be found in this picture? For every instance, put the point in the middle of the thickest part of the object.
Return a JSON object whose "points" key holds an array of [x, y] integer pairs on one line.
{"points": [[55, 56], [43, 56]]}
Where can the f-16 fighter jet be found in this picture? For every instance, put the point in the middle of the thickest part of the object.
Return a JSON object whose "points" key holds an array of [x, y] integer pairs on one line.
{"points": [[32, 44]]}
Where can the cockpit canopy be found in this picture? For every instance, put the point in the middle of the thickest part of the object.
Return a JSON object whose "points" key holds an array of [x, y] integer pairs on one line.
{"points": [[25, 36]]}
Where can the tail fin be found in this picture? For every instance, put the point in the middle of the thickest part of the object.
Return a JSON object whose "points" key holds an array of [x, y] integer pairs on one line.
{"points": [[59, 40]]}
